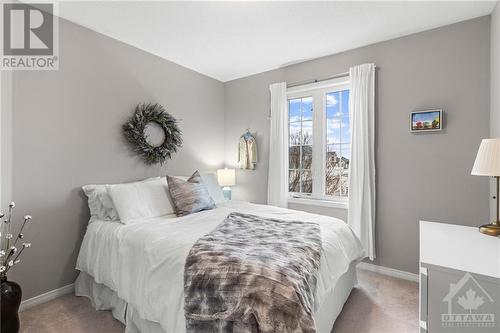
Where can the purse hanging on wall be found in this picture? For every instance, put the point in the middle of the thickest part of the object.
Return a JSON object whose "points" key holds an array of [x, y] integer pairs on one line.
{"points": [[247, 151]]}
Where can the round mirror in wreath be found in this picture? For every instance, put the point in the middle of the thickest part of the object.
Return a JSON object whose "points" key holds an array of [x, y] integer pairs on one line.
{"points": [[153, 133]]}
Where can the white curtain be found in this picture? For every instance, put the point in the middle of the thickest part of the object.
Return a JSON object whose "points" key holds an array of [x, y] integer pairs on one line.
{"points": [[361, 215], [277, 182]]}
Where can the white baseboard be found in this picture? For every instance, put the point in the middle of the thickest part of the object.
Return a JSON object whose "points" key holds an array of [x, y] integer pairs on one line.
{"points": [[48, 296], [388, 271]]}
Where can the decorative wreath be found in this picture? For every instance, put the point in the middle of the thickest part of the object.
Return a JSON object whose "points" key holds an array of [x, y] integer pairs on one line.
{"points": [[133, 130]]}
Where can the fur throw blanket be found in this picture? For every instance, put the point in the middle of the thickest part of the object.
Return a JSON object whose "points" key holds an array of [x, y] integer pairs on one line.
{"points": [[253, 274]]}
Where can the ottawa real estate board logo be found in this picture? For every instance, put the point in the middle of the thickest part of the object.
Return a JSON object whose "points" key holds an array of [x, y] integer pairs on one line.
{"points": [[470, 307], [30, 38]]}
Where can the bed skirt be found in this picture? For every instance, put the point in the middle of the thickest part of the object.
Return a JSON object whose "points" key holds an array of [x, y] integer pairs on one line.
{"points": [[104, 298]]}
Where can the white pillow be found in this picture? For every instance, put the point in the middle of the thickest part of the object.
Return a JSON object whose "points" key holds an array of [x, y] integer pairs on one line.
{"points": [[100, 204], [140, 200], [214, 189]]}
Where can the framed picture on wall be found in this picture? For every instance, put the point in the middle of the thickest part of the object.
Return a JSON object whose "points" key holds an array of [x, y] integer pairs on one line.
{"points": [[426, 121]]}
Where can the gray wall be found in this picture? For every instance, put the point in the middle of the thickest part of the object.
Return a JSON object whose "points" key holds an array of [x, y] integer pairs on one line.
{"points": [[67, 132], [495, 87], [418, 176], [5, 137], [495, 72], [340, 213]]}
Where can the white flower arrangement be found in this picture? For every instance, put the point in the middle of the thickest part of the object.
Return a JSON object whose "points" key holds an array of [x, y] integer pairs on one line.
{"points": [[9, 252]]}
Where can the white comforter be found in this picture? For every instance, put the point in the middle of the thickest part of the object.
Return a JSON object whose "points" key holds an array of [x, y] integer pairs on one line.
{"points": [[144, 262]]}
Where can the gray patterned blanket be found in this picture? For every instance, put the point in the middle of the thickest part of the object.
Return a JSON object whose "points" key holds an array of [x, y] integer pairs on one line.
{"points": [[253, 275]]}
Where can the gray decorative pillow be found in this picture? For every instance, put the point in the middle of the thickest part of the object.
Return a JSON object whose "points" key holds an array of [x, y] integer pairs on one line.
{"points": [[189, 196]]}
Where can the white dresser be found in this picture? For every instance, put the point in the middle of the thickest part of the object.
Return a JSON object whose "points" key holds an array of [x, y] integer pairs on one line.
{"points": [[459, 279]]}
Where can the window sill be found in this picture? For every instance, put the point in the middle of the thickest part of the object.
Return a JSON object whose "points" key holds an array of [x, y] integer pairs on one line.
{"points": [[319, 202]]}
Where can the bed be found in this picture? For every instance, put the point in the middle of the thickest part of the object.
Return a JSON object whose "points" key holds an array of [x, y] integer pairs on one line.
{"points": [[137, 270]]}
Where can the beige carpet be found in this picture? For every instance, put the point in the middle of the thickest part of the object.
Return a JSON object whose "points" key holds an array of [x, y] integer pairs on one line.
{"points": [[380, 304]]}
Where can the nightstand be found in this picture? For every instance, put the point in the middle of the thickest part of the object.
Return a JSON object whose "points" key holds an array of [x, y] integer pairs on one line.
{"points": [[459, 279]]}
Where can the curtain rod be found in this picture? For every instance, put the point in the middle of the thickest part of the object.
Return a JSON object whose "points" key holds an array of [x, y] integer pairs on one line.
{"points": [[300, 83], [336, 76]]}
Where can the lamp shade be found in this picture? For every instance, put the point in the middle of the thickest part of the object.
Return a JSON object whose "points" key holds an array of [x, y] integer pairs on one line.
{"points": [[488, 158], [226, 177]]}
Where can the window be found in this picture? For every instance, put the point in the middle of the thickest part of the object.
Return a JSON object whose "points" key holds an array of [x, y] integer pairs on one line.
{"points": [[300, 145], [338, 146], [319, 141]]}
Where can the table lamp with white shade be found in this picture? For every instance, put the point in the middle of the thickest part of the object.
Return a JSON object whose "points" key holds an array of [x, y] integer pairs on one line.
{"points": [[488, 164], [226, 178]]}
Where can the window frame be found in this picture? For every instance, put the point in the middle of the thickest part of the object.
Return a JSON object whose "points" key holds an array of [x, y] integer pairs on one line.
{"points": [[318, 93]]}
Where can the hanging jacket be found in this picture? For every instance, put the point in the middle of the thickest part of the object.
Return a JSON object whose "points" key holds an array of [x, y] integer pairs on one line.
{"points": [[247, 152]]}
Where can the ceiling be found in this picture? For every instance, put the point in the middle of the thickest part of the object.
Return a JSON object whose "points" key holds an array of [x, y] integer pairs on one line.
{"points": [[230, 40]]}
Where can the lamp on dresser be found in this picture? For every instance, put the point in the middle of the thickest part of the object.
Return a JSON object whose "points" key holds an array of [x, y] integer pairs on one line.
{"points": [[488, 164]]}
